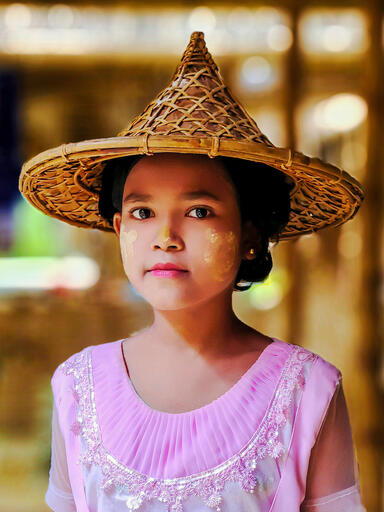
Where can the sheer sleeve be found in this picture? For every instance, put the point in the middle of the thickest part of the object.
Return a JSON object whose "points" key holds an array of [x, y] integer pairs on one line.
{"points": [[59, 493], [333, 475]]}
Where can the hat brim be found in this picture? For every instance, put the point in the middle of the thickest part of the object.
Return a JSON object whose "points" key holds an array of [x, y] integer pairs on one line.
{"points": [[64, 182]]}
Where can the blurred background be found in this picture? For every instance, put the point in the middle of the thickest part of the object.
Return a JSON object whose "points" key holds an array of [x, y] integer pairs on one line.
{"points": [[310, 73]]}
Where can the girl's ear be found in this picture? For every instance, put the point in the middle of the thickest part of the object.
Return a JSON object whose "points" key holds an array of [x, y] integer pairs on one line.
{"points": [[250, 237], [117, 222]]}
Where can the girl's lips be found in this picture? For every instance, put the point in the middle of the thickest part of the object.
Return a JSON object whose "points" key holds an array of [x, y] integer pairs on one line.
{"points": [[167, 273]]}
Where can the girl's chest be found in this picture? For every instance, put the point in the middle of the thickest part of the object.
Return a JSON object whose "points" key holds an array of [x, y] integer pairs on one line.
{"points": [[183, 385]]}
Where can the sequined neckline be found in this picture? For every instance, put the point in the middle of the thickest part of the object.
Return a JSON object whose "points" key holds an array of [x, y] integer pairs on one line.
{"points": [[226, 395]]}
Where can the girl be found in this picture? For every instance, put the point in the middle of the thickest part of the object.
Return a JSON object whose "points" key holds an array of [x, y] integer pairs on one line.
{"points": [[197, 411]]}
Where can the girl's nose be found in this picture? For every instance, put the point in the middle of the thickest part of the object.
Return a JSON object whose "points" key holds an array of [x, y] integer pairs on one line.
{"points": [[166, 239]]}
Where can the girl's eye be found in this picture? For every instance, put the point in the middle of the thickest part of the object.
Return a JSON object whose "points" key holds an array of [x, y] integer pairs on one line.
{"points": [[200, 209], [139, 210]]}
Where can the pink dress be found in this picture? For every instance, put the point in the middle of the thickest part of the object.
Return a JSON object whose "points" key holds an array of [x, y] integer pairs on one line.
{"points": [[279, 440]]}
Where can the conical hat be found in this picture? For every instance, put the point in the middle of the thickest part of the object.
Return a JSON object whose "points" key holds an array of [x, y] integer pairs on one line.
{"points": [[195, 113]]}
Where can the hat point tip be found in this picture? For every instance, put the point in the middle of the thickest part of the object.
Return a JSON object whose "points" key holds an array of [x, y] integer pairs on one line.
{"points": [[197, 35]]}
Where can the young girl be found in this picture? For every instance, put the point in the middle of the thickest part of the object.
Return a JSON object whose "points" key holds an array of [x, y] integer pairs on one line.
{"points": [[198, 411]]}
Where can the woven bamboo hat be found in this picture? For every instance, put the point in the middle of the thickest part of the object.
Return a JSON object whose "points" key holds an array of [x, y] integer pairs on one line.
{"points": [[195, 113]]}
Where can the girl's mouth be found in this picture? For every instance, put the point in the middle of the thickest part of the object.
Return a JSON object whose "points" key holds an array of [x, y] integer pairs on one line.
{"points": [[167, 273]]}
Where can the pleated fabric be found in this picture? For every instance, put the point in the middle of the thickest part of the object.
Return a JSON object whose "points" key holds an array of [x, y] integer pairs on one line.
{"points": [[168, 445]]}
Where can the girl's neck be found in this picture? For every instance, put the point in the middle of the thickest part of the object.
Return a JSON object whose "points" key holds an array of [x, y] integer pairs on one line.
{"points": [[210, 329]]}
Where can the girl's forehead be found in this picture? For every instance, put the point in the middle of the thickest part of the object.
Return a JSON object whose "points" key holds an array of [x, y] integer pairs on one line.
{"points": [[178, 171]]}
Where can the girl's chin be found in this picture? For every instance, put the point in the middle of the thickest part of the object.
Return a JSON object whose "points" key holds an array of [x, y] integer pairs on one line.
{"points": [[177, 293], [173, 298], [162, 305], [178, 299]]}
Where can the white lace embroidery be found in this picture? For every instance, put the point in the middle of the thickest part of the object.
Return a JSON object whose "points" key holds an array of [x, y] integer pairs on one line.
{"points": [[208, 485]]}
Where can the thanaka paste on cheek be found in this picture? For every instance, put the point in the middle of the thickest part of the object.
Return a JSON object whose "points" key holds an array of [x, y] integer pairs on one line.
{"points": [[127, 239], [221, 253]]}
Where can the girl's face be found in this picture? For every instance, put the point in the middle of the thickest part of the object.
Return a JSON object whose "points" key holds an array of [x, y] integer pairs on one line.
{"points": [[179, 209]]}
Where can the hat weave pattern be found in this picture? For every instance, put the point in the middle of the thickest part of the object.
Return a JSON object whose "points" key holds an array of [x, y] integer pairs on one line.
{"points": [[197, 102], [194, 114]]}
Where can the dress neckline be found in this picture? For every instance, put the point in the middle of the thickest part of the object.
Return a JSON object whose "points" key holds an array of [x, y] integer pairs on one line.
{"points": [[232, 391]]}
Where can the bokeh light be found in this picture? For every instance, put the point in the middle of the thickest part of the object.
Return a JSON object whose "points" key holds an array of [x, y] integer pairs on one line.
{"points": [[269, 293], [341, 112], [60, 16], [333, 31], [279, 38], [43, 273], [202, 19], [17, 16], [257, 73]]}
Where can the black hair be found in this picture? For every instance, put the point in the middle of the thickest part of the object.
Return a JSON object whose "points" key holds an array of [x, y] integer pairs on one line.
{"points": [[263, 195]]}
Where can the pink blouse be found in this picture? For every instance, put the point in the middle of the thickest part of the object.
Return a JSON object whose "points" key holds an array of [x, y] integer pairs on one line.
{"points": [[279, 440]]}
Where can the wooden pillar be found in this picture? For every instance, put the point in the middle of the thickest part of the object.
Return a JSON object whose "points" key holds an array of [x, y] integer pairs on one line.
{"points": [[370, 386], [293, 86]]}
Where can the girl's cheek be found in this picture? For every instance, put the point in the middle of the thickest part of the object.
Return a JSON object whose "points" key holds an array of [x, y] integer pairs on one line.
{"points": [[127, 240], [220, 254]]}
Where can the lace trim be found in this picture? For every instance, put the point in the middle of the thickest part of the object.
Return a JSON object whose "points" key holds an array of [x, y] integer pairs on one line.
{"points": [[208, 485]]}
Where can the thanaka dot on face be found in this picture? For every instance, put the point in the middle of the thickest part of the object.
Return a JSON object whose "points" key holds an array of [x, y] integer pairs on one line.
{"points": [[221, 255]]}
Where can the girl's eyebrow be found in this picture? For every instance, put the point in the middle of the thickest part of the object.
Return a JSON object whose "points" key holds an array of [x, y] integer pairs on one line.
{"points": [[135, 197]]}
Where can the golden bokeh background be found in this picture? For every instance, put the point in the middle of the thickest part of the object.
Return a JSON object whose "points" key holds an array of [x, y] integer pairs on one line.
{"points": [[310, 73]]}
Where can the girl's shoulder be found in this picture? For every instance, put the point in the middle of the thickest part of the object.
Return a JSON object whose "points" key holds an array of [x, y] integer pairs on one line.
{"points": [[317, 372], [322, 376], [67, 369], [319, 364], [325, 368]]}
